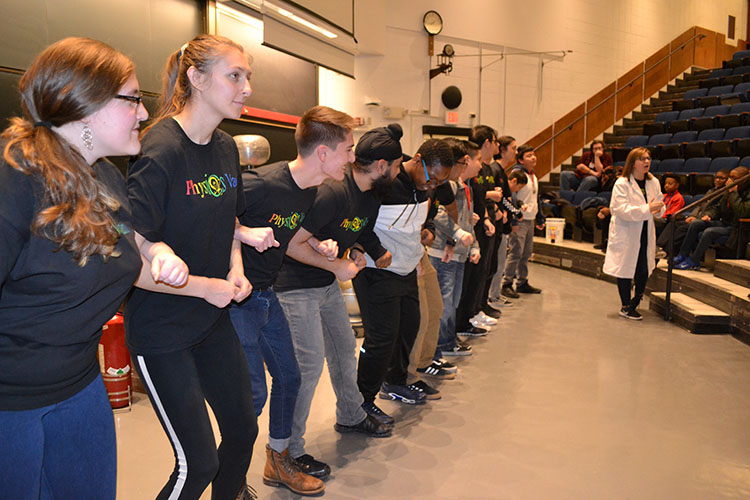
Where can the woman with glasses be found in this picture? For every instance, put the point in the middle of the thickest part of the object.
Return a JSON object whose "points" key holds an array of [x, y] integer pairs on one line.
{"points": [[186, 190], [68, 257], [636, 198]]}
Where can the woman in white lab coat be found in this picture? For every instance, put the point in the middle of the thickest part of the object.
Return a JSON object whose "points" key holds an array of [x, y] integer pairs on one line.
{"points": [[636, 198]]}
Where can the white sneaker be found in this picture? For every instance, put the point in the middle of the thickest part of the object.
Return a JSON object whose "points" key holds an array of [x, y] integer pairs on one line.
{"points": [[486, 319], [500, 302]]}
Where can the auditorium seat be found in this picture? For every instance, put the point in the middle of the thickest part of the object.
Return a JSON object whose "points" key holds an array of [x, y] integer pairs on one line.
{"points": [[707, 121], [683, 120], [700, 164], [726, 162]]}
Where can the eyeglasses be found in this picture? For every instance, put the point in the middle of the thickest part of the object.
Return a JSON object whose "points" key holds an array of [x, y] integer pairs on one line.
{"points": [[427, 181], [645, 158], [135, 99]]}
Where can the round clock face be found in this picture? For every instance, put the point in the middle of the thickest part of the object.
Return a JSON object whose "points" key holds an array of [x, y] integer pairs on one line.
{"points": [[433, 23], [448, 50]]}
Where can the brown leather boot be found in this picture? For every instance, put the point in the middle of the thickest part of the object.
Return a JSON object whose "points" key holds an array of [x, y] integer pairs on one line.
{"points": [[281, 470]]}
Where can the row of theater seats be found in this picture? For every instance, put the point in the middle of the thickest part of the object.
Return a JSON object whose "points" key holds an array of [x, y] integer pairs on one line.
{"points": [[720, 116], [696, 175], [713, 143], [717, 94], [576, 198]]}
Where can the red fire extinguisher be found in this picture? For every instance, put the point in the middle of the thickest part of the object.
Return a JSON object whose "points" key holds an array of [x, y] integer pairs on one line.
{"points": [[114, 360]]}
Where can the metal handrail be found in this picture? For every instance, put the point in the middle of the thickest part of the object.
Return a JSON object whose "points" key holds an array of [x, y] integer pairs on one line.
{"points": [[700, 36], [672, 217]]}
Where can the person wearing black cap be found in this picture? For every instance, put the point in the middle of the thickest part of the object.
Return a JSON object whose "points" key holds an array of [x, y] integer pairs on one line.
{"points": [[309, 293]]}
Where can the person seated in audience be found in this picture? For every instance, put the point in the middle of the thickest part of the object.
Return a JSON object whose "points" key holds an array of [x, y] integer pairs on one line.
{"points": [[588, 172], [723, 222], [608, 178], [700, 216], [673, 201]]}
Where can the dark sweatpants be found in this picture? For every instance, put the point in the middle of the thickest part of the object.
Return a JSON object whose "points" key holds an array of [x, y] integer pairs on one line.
{"points": [[389, 305]]}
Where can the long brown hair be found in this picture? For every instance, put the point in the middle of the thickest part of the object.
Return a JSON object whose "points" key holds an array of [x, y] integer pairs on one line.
{"points": [[202, 52], [70, 80], [634, 154]]}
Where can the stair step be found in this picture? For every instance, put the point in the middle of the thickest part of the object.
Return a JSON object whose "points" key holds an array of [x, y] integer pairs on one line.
{"points": [[692, 314], [554, 178], [630, 122], [644, 115], [657, 106], [736, 271], [619, 130]]}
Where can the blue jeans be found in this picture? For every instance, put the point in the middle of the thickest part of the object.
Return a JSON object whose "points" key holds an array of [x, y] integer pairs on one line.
{"points": [[264, 334], [321, 331], [450, 276], [701, 235], [65, 450], [570, 182]]}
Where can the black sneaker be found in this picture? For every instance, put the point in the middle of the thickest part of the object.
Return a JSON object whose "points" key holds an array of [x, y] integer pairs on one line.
{"points": [[372, 409], [507, 291], [491, 312], [626, 312], [446, 365], [407, 394], [370, 426], [526, 288], [459, 350], [437, 371], [429, 391], [307, 464], [474, 331], [247, 493]]}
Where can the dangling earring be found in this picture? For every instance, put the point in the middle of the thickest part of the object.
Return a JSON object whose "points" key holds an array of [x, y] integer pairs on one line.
{"points": [[87, 137]]}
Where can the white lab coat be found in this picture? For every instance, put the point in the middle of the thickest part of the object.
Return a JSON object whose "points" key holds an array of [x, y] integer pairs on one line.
{"points": [[629, 210]]}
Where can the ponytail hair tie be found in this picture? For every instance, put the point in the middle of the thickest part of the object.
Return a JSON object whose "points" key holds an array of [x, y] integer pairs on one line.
{"points": [[182, 49], [43, 124]]}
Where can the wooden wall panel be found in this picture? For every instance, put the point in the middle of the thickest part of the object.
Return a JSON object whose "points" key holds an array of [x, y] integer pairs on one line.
{"points": [[600, 118], [629, 91], [705, 49], [657, 72], [682, 57], [543, 153], [569, 130]]}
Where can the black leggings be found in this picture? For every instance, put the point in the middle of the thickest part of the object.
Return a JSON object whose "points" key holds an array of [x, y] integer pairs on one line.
{"points": [[179, 384], [640, 277]]}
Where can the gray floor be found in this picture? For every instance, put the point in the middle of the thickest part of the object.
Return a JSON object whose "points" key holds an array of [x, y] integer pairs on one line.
{"points": [[563, 400]]}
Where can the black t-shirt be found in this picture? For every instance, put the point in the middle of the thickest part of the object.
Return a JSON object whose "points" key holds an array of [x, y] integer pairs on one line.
{"points": [[186, 195], [51, 309], [340, 212], [642, 184], [273, 199]]}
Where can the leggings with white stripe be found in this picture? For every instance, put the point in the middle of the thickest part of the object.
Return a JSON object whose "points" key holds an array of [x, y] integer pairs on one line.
{"points": [[178, 383]]}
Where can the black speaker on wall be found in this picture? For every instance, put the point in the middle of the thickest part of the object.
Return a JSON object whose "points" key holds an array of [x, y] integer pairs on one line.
{"points": [[451, 97]]}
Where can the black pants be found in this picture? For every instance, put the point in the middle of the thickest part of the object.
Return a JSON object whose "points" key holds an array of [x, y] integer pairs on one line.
{"points": [[179, 384], [680, 231], [640, 277], [389, 305], [475, 279], [492, 267]]}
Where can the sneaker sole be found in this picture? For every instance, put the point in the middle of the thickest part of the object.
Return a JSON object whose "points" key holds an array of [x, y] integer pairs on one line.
{"points": [[343, 429], [433, 397], [397, 397], [445, 376], [275, 482], [451, 353], [467, 334]]}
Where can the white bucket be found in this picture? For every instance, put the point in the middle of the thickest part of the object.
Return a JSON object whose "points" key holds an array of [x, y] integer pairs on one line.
{"points": [[555, 229]]}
